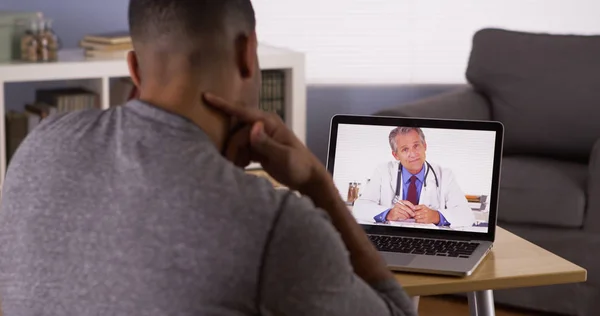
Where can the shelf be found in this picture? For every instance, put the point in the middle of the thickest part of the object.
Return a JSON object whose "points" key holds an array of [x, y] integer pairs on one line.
{"points": [[96, 75], [73, 64]]}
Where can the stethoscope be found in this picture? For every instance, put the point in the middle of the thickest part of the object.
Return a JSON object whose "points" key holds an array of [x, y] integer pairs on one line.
{"points": [[399, 179]]}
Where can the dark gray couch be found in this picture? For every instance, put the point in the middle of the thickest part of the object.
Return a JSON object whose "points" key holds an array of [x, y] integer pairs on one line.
{"points": [[545, 89]]}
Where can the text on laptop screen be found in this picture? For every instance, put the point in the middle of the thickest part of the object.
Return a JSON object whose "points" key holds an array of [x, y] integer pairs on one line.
{"points": [[422, 178]]}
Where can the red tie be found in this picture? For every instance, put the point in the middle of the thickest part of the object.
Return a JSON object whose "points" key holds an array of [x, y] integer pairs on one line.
{"points": [[412, 191]]}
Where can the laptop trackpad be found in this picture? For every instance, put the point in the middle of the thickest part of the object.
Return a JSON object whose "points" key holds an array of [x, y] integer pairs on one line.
{"points": [[397, 259]]}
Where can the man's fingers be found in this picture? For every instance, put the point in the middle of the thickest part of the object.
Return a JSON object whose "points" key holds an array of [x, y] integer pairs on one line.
{"points": [[240, 111], [400, 213], [396, 215], [408, 204], [404, 214], [421, 216], [406, 209], [265, 145], [239, 144]]}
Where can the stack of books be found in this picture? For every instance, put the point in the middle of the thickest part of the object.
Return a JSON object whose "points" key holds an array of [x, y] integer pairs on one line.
{"points": [[47, 102], [65, 100], [478, 202], [272, 93], [113, 45], [51, 101], [17, 127]]}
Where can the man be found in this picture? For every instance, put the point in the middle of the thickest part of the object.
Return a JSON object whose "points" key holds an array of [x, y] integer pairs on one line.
{"points": [[411, 189], [145, 209]]}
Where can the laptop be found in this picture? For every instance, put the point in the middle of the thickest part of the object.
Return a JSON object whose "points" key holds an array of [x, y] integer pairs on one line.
{"points": [[424, 190]]}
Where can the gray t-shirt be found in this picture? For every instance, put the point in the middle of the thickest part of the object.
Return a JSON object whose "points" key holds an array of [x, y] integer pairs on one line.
{"points": [[133, 211]]}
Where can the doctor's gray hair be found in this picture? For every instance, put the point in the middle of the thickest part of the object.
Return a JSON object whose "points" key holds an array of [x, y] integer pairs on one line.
{"points": [[402, 130]]}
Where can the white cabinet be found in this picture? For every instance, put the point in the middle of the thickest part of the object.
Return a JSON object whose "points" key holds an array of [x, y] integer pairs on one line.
{"points": [[95, 75]]}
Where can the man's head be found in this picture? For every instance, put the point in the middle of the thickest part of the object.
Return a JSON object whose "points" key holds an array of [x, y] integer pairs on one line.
{"points": [[409, 146], [183, 47]]}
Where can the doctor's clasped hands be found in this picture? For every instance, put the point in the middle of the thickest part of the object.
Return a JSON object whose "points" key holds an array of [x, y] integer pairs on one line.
{"points": [[422, 214]]}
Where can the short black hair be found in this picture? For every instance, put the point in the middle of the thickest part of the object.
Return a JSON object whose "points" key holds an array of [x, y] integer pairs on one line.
{"points": [[155, 20]]}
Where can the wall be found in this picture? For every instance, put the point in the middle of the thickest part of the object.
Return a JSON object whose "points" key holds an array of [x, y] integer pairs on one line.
{"points": [[406, 41], [324, 101], [75, 18]]}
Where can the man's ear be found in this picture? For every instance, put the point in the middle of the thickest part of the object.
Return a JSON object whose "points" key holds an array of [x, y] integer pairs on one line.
{"points": [[395, 155], [134, 69], [246, 54]]}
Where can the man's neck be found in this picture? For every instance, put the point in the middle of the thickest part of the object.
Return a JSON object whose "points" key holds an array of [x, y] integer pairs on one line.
{"points": [[190, 106], [414, 173]]}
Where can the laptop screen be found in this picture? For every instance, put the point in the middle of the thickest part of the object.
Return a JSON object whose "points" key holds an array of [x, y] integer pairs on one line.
{"points": [[419, 178]]}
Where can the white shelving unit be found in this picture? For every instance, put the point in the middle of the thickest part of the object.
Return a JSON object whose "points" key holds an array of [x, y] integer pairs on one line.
{"points": [[96, 74]]}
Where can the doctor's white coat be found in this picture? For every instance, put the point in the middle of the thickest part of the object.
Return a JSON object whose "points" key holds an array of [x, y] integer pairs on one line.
{"points": [[448, 198]]}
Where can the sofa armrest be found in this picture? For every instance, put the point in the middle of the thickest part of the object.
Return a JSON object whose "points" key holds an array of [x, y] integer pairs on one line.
{"points": [[592, 216], [465, 103]]}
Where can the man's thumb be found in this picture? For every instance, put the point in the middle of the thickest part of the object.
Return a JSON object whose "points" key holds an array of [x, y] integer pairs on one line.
{"points": [[261, 142]]}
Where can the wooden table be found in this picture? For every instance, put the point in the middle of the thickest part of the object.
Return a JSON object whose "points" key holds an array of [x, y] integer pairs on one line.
{"points": [[513, 263]]}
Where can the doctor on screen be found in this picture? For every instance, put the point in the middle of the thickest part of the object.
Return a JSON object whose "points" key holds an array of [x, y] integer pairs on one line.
{"points": [[410, 188]]}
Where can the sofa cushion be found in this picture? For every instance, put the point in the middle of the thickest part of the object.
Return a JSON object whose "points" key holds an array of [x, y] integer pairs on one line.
{"points": [[542, 191], [544, 89]]}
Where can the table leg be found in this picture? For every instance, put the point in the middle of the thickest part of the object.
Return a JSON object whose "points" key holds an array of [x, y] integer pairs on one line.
{"points": [[481, 303]]}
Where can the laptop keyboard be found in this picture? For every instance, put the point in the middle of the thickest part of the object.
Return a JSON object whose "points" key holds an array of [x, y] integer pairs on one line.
{"points": [[422, 246]]}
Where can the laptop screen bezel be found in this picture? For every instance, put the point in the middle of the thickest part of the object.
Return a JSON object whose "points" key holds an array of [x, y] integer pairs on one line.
{"points": [[428, 123]]}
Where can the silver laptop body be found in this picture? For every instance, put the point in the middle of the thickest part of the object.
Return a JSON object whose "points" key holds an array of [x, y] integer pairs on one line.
{"points": [[467, 158]]}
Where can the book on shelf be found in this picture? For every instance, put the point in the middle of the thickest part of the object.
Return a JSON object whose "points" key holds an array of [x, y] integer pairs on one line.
{"points": [[272, 92], [476, 206], [18, 125], [476, 198], [113, 45], [68, 99], [33, 120], [117, 54], [113, 38], [477, 203], [100, 47], [40, 110]]}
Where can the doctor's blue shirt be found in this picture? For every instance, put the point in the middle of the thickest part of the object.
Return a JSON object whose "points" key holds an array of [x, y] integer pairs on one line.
{"points": [[406, 175]]}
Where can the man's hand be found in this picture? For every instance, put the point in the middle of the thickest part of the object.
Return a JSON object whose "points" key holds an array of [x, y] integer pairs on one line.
{"points": [[238, 149], [425, 215], [401, 211], [275, 147], [287, 160]]}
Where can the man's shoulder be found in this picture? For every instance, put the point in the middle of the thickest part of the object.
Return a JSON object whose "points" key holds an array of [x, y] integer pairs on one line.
{"points": [[261, 194], [57, 129], [65, 123], [257, 191]]}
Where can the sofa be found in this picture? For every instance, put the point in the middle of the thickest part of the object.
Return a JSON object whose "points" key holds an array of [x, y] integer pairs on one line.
{"points": [[545, 89]]}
